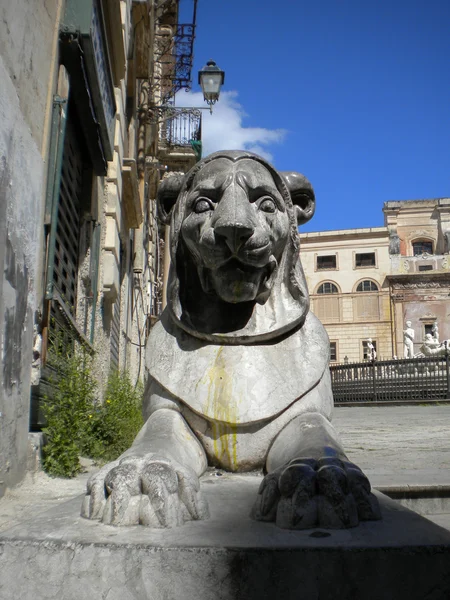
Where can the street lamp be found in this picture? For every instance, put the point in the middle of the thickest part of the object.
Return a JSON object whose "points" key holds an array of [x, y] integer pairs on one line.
{"points": [[211, 79]]}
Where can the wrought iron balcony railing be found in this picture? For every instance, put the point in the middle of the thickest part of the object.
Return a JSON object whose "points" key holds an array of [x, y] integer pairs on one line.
{"points": [[174, 54], [181, 127]]}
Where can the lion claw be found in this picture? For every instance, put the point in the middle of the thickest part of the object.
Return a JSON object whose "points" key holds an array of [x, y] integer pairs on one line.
{"points": [[305, 493], [147, 491]]}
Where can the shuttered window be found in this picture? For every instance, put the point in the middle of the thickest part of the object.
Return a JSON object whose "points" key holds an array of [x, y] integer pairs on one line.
{"points": [[327, 309], [366, 304], [326, 304], [65, 272], [74, 196], [333, 351]]}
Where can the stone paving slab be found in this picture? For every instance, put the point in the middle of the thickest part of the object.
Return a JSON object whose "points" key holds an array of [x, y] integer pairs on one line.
{"points": [[229, 557], [398, 445]]}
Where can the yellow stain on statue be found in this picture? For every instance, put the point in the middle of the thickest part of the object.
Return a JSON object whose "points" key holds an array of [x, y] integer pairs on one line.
{"points": [[222, 405]]}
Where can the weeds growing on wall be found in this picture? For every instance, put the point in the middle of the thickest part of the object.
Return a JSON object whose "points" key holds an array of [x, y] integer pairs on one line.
{"points": [[78, 424]]}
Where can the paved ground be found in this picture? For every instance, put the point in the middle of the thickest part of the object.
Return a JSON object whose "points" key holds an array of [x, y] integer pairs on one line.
{"points": [[394, 445], [398, 445]]}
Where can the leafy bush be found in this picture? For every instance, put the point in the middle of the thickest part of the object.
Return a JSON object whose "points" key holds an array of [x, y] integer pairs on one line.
{"points": [[117, 421], [66, 412], [78, 424]]}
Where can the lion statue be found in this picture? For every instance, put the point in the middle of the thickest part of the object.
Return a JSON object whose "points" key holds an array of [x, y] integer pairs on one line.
{"points": [[238, 366]]}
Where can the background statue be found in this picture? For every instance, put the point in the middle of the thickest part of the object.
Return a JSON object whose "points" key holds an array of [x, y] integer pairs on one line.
{"points": [[432, 347], [238, 366], [435, 331], [408, 340], [371, 352], [394, 243]]}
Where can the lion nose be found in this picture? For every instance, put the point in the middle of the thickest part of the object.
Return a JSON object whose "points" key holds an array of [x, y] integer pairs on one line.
{"points": [[235, 234]]}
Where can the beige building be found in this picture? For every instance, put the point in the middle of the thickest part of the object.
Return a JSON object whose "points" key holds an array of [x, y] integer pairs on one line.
{"points": [[346, 273], [366, 283]]}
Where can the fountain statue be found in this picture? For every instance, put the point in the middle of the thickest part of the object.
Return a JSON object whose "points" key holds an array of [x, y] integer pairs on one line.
{"points": [[408, 340], [237, 364]]}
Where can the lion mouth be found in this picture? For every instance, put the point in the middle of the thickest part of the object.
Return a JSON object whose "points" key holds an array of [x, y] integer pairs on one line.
{"points": [[243, 281], [245, 258]]}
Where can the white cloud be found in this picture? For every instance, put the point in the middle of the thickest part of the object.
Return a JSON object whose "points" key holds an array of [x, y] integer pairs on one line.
{"points": [[223, 130]]}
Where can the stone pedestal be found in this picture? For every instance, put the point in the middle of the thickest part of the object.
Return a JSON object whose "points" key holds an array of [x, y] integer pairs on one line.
{"points": [[230, 557]]}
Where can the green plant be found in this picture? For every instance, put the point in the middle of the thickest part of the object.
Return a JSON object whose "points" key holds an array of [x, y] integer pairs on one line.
{"points": [[78, 424], [117, 421], [67, 411]]}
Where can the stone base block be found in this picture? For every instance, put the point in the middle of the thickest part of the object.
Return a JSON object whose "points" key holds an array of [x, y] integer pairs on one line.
{"points": [[229, 557]]}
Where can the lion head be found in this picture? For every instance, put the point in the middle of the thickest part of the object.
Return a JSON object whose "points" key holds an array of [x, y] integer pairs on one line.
{"points": [[235, 274]]}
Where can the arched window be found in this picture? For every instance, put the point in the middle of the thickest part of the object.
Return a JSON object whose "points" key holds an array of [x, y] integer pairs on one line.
{"points": [[422, 247], [367, 286], [326, 304], [366, 302], [327, 288]]}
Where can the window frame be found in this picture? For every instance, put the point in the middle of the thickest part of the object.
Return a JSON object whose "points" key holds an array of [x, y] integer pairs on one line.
{"points": [[372, 282], [336, 351], [423, 241], [331, 283], [316, 262], [327, 305], [375, 264]]}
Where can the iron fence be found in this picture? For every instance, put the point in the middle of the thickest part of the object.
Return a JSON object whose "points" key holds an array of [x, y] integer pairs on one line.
{"points": [[426, 378], [181, 126]]}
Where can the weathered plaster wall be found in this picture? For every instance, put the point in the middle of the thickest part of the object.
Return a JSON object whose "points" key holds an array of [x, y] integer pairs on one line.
{"points": [[26, 47], [27, 33], [21, 175]]}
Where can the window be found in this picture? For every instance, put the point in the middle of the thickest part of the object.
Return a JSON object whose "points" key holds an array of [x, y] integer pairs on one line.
{"points": [[327, 288], [327, 307], [366, 303], [365, 259], [333, 351], [367, 286], [428, 329], [366, 350], [326, 262], [425, 267], [422, 247]]}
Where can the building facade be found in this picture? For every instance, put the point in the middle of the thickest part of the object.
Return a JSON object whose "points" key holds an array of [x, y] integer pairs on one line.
{"points": [[346, 274], [87, 131], [366, 283], [419, 278]]}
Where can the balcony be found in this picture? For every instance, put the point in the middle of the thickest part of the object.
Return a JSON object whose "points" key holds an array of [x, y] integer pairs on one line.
{"points": [[180, 133], [409, 265], [174, 52]]}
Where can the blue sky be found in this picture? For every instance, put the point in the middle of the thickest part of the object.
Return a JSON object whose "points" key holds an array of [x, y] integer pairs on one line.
{"points": [[355, 94]]}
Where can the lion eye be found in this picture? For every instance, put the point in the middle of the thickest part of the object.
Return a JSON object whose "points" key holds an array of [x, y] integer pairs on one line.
{"points": [[203, 205], [267, 205]]}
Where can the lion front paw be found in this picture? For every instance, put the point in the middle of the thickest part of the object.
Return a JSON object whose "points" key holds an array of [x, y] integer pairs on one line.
{"points": [[329, 493], [149, 490]]}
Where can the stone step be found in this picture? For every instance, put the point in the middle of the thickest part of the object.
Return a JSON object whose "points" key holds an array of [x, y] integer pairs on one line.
{"points": [[60, 555], [425, 499]]}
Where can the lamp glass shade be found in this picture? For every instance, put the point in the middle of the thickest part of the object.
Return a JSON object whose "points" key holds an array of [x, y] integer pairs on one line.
{"points": [[211, 79], [211, 83]]}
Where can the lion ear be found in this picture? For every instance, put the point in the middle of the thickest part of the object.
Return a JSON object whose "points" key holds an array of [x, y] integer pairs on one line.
{"points": [[167, 195], [302, 195]]}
